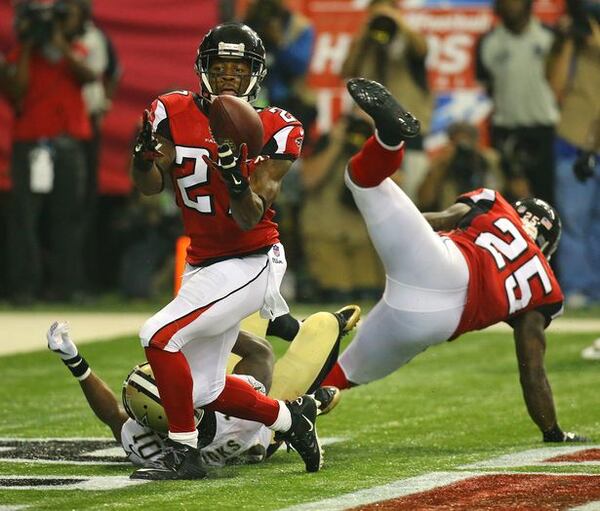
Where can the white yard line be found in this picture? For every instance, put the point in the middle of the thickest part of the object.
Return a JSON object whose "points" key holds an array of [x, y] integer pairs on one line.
{"points": [[561, 325], [410, 486], [90, 483], [392, 490], [22, 332], [536, 457], [590, 506]]}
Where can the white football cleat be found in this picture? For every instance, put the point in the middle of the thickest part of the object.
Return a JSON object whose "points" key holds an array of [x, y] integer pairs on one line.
{"points": [[592, 352]]}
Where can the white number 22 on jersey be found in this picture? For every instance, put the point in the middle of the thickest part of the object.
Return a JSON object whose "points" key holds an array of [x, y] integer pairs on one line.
{"points": [[519, 279], [201, 203]]}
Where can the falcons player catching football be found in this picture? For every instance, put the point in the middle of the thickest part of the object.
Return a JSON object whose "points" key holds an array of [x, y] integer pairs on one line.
{"points": [[477, 263], [235, 262]]}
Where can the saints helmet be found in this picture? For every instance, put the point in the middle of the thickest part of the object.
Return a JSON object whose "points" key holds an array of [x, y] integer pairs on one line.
{"points": [[541, 222], [232, 40], [142, 400]]}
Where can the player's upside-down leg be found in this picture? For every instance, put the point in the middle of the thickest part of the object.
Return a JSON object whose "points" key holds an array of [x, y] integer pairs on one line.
{"points": [[426, 277]]}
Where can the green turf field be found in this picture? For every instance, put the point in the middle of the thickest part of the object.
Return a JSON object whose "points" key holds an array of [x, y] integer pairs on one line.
{"points": [[456, 404]]}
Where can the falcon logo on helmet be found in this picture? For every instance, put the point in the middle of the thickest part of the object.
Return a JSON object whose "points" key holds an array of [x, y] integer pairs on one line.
{"points": [[142, 401], [541, 222], [232, 41]]}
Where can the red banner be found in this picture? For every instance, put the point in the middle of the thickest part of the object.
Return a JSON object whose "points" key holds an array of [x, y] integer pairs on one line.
{"points": [[156, 41], [452, 28]]}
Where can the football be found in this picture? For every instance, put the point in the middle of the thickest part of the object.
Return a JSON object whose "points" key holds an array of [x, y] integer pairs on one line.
{"points": [[234, 121]]}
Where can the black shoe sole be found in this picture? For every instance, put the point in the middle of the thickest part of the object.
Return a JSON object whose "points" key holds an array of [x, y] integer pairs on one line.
{"points": [[333, 402], [312, 463], [388, 114], [166, 476]]}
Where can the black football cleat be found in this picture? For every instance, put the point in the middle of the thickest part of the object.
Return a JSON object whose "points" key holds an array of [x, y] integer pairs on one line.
{"points": [[302, 436], [574, 437], [392, 121], [273, 447], [565, 437], [327, 398], [177, 461], [348, 318]]}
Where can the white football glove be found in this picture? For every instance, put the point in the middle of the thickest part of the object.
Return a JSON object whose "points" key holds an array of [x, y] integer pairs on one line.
{"points": [[60, 342]]}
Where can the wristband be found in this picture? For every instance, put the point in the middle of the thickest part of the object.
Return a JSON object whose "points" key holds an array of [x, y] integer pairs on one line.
{"points": [[78, 367]]}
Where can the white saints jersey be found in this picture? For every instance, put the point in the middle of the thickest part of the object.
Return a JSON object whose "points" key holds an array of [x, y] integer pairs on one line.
{"points": [[233, 437]]}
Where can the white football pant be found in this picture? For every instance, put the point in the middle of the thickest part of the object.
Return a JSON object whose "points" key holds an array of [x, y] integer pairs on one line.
{"points": [[225, 292], [426, 285]]}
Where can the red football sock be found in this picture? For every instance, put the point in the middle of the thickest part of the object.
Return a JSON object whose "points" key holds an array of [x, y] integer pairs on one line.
{"points": [[337, 378], [174, 381], [240, 399], [374, 163]]}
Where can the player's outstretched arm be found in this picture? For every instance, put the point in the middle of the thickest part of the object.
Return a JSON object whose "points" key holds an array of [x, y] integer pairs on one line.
{"points": [[530, 342], [257, 358], [100, 397], [448, 219], [250, 195]]}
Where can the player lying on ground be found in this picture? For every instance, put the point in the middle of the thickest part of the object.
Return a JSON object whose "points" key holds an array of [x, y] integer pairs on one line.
{"points": [[487, 263], [140, 426]]}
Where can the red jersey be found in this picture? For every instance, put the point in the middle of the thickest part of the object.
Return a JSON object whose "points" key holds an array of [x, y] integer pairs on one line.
{"points": [[53, 104], [508, 274], [202, 196]]}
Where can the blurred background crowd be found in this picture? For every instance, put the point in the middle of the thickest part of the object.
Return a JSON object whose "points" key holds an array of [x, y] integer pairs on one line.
{"points": [[507, 91]]}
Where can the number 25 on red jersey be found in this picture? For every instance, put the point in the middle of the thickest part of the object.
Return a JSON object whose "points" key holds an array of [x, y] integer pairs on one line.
{"points": [[519, 279]]}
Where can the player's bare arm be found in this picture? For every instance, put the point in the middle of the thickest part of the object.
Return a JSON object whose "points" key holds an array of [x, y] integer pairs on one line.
{"points": [[104, 404], [530, 343], [257, 358], [448, 219], [250, 194], [265, 183], [100, 397]]}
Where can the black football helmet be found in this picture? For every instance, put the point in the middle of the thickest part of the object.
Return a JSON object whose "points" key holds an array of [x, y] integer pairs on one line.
{"points": [[235, 41], [542, 223]]}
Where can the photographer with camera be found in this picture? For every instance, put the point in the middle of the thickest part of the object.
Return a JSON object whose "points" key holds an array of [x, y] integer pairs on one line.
{"points": [[511, 63], [575, 79], [389, 51], [333, 235], [461, 166], [47, 72], [289, 38]]}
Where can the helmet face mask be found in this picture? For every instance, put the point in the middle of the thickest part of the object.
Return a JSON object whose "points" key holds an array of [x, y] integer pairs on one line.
{"points": [[229, 42], [541, 222], [142, 401]]}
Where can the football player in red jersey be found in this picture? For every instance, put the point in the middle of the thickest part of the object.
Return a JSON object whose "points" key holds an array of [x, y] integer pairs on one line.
{"points": [[235, 262], [484, 261]]}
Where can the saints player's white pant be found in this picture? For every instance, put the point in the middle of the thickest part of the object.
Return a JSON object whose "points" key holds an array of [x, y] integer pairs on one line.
{"points": [[426, 285], [203, 320], [232, 437]]}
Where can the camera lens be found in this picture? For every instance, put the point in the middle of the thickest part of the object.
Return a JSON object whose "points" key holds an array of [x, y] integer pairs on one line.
{"points": [[382, 29]]}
